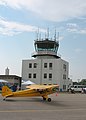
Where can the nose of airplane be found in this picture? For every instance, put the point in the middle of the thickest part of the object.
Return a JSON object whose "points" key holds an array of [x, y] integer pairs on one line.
{"points": [[55, 89]]}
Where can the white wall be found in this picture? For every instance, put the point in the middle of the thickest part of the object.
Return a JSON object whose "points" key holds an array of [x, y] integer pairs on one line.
{"points": [[57, 71]]}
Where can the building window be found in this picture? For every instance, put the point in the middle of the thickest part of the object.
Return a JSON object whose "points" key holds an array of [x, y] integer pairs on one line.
{"points": [[30, 65], [64, 76], [64, 87], [50, 65], [45, 65], [29, 75], [45, 75], [64, 67], [50, 76], [34, 75], [35, 65]]}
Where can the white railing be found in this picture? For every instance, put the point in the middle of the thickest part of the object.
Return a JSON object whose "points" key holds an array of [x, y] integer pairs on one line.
{"points": [[44, 52]]}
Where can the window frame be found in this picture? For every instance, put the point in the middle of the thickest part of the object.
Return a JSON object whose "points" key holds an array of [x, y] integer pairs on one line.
{"points": [[50, 65], [30, 65], [50, 76], [29, 75], [45, 75], [34, 75], [35, 65], [45, 65]]}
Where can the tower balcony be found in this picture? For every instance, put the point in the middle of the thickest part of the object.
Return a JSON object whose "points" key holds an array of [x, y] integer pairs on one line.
{"points": [[45, 53]]}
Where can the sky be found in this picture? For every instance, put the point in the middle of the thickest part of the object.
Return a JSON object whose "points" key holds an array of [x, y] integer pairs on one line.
{"points": [[21, 19]]}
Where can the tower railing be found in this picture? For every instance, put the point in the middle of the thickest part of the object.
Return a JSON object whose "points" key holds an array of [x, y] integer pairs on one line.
{"points": [[44, 53]]}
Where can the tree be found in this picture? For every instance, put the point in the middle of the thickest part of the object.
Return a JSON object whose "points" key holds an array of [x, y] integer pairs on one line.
{"points": [[83, 82]]}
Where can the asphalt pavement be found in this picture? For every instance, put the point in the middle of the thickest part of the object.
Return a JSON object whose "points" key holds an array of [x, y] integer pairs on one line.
{"points": [[63, 106]]}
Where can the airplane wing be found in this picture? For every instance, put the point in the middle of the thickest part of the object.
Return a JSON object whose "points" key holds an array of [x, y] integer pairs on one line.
{"points": [[38, 86], [42, 88]]}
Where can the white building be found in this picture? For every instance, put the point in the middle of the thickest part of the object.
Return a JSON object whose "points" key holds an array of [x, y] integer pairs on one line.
{"points": [[46, 67]]}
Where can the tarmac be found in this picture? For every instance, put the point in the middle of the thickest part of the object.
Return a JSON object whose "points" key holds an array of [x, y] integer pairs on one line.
{"points": [[63, 106]]}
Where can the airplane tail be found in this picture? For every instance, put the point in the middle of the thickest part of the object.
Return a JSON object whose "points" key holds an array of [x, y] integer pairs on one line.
{"points": [[6, 91]]}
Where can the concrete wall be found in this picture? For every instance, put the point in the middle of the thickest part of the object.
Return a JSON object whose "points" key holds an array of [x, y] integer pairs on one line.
{"points": [[59, 69]]}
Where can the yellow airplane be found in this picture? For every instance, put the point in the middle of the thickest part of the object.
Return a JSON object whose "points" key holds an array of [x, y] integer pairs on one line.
{"points": [[31, 91]]}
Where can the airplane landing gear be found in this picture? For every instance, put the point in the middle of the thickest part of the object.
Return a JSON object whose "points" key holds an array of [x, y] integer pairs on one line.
{"points": [[44, 98], [49, 99]]}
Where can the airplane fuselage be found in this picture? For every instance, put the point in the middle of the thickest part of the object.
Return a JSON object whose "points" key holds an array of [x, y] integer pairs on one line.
{"points": [[33, 90]]}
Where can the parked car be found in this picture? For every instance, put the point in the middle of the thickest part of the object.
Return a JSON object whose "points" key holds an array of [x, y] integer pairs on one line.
{"points": [[77, 88]]}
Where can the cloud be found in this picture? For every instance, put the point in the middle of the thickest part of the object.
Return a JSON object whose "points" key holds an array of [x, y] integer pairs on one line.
{"points": [[82, 31], [53, 10], [12, 28], [72, 27], [75, 28]]}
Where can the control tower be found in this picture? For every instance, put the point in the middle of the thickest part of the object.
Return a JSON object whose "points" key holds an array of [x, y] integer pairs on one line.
{"points": [[46, 67], [46, 48]]}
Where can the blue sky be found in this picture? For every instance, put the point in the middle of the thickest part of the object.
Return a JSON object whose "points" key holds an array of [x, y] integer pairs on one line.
{"points": [[19, 21]]}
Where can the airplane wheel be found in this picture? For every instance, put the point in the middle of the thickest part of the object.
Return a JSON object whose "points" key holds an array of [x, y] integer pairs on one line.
{"points": [[49, 99], [44, 98], [4, 99]]}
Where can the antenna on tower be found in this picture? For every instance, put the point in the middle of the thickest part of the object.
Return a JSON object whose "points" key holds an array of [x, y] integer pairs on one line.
{"points": [[58, 36], [55, 35], [37, 34], [40, 36], [45, 36], [47, 32]]}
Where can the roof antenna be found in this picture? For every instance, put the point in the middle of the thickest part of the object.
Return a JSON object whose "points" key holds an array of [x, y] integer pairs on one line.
{"points": [[45, 36], [55, 35], [40, 36], [58, 36], [47, 33], [37, 34]]}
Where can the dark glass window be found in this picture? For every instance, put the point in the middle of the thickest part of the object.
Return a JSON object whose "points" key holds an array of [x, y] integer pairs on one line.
{"points": [[64, 76], [45, 75], [64, 87], [50, 65], [34, 75], [50, 76], [45, 65], [75, 86], [64, 67], [35, 65], [30, 65], [29, 75]]}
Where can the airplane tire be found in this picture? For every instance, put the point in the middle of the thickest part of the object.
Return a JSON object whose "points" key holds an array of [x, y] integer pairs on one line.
{"points": [[49, 99]]}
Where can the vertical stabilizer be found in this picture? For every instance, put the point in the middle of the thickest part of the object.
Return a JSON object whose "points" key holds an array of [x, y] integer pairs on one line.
{"points": [[6, 91]]}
